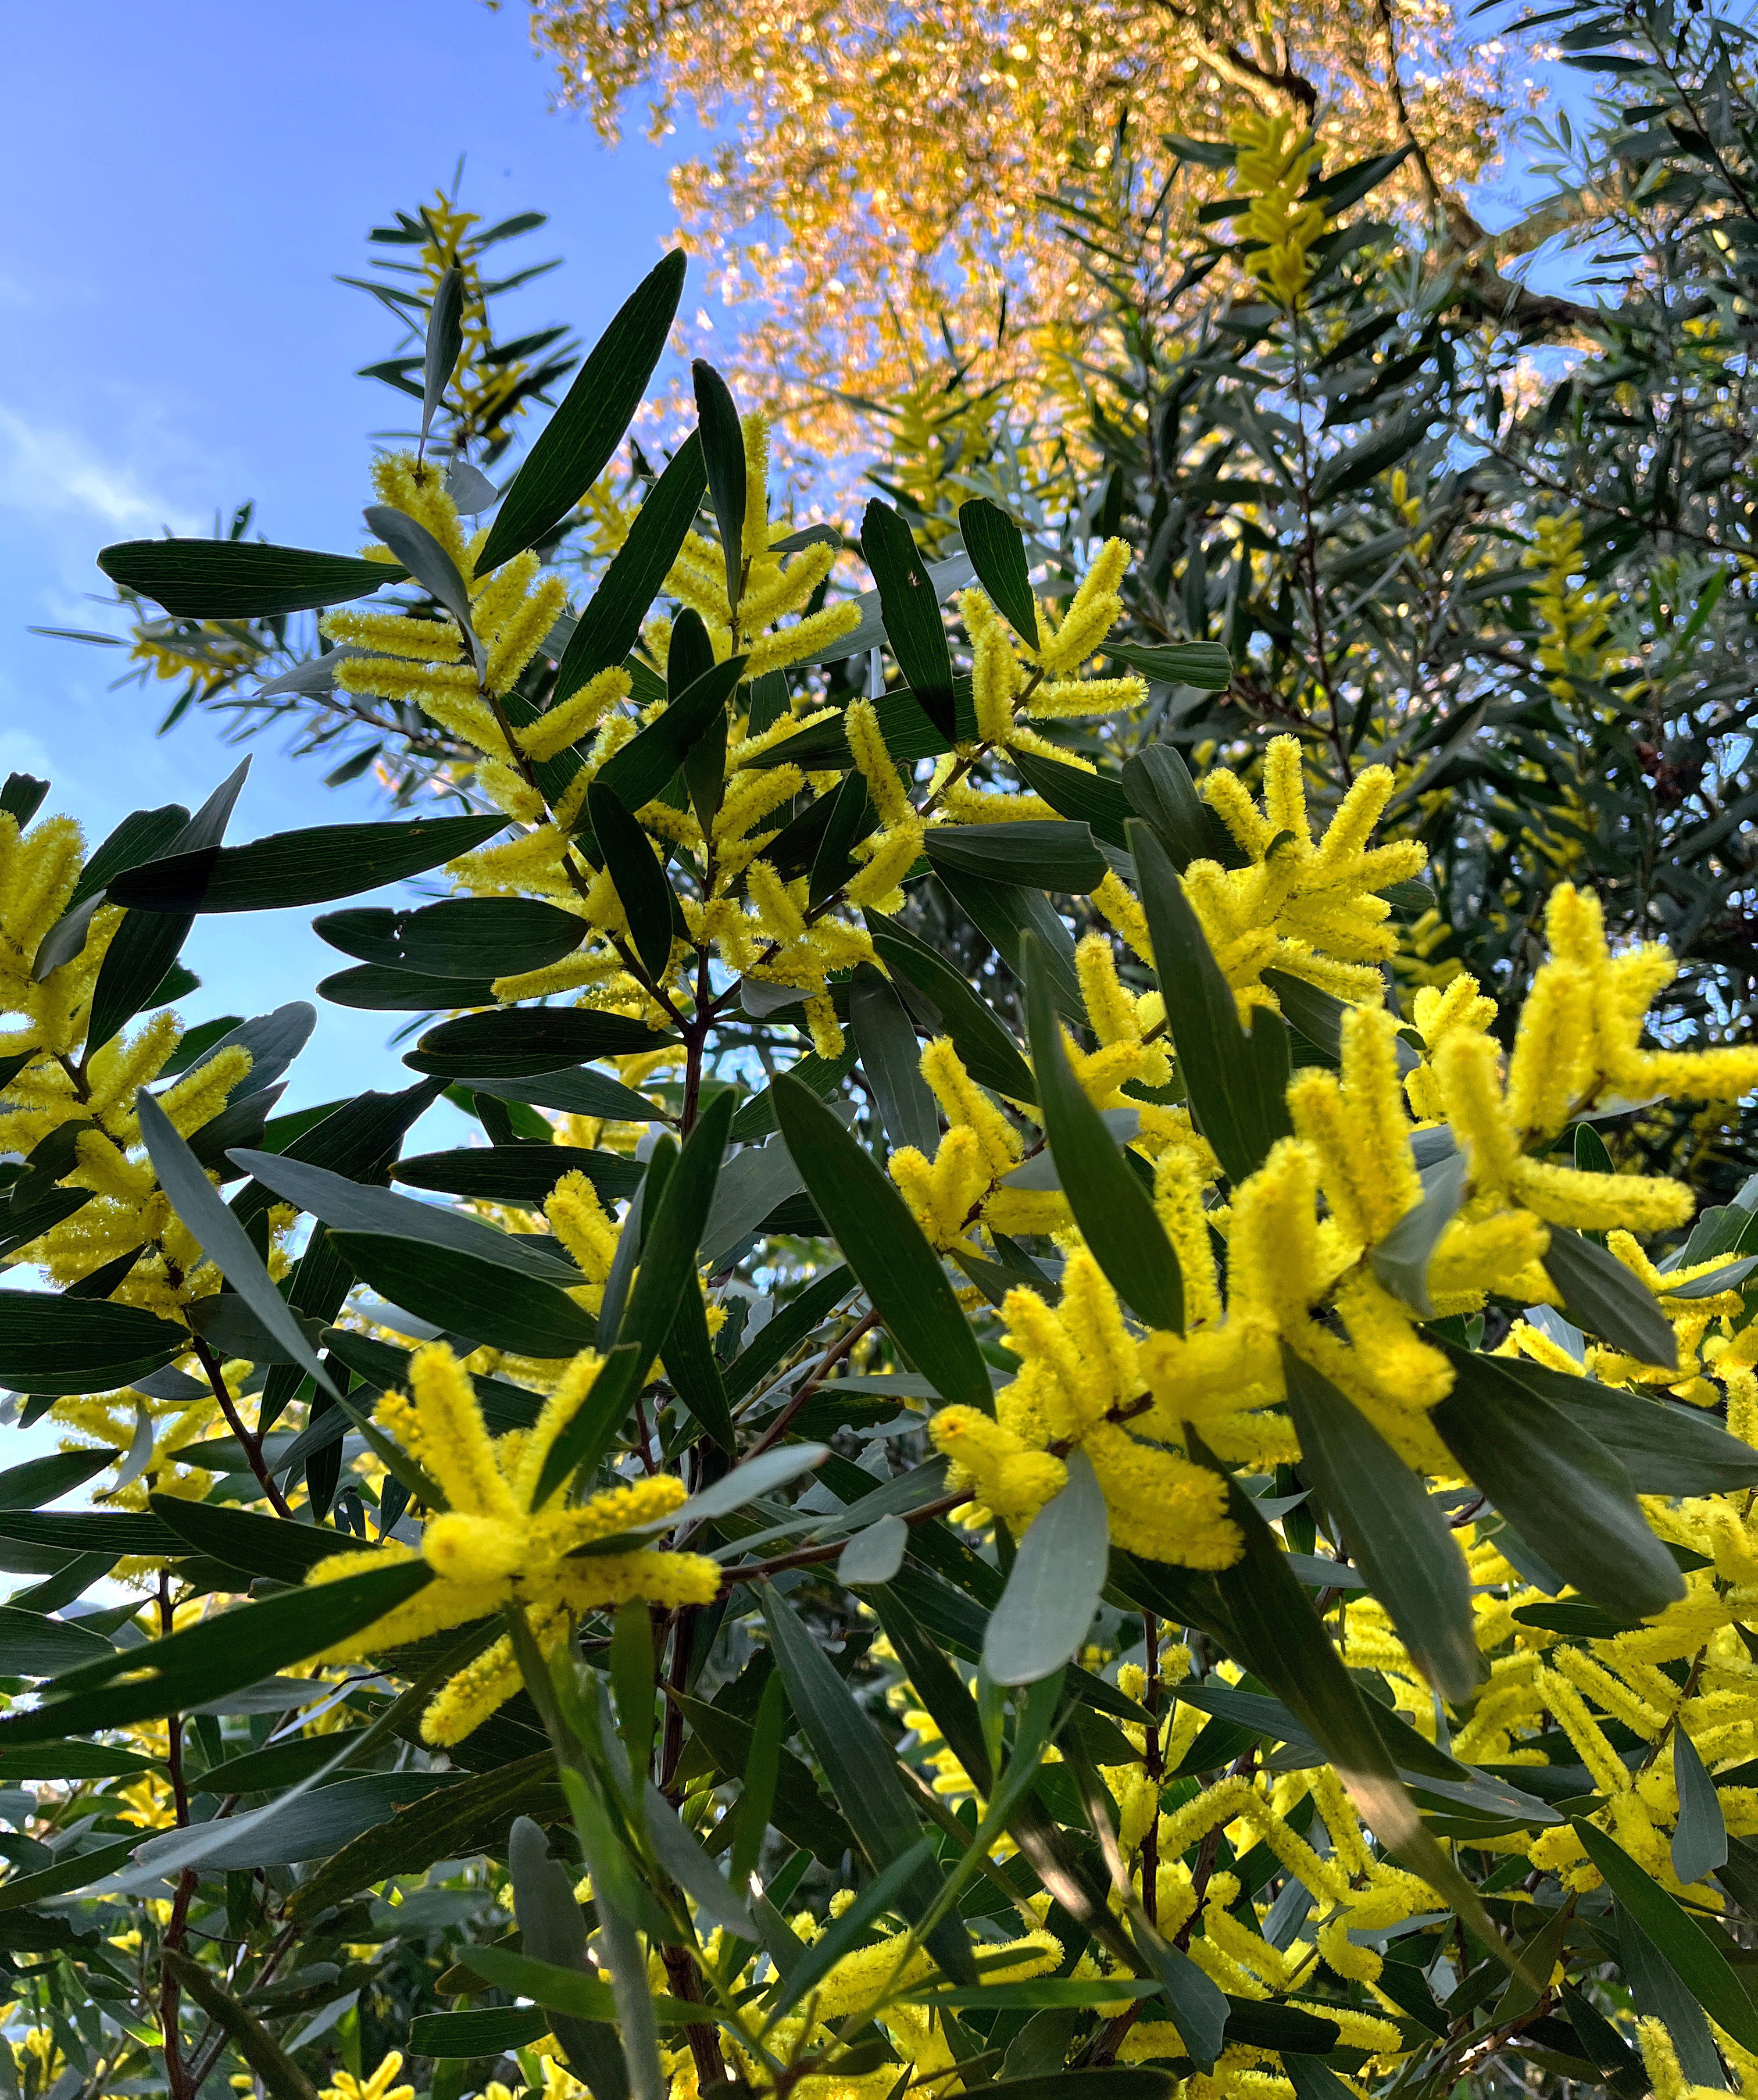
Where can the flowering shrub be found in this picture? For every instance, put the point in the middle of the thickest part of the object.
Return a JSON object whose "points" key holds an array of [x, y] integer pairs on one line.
{"points": [[1181, 1523]]}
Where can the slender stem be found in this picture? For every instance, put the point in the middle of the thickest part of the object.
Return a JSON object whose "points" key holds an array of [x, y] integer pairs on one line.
{"points": [[248, 1443], [808, 1556], [827, 1362]]}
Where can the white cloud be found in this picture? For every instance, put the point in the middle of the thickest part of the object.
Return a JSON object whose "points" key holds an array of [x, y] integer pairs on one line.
{"points": [[45, 471]]}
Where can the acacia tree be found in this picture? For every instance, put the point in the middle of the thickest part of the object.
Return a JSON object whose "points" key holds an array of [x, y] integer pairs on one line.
{"points": [[1114, 1526]]}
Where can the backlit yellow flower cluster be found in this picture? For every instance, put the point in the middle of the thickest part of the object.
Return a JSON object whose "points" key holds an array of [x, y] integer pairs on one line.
{"points": [[1276, 157], [493, 1546], [1577, 634]]}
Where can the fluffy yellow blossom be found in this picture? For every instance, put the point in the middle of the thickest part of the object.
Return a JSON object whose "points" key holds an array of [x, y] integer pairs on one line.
{"points": [[492, 1546]]}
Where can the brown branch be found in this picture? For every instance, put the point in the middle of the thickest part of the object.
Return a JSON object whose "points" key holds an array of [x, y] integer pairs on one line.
{"points": [[250, 1444]]}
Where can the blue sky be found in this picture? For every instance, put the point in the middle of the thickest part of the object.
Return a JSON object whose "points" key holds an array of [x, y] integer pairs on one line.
{"points": [[185, 181]]}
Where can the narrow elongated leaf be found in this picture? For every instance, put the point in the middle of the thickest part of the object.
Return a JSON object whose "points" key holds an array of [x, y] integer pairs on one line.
{"points": [[684, 1860], [552, 1930], [786, 1330], [299, 867], [145, 946], [1159, 788], [579, 438], [884, 1245], [1049, 854], [1556, 1482], [459, 1291], [1086, 798], [1235, 1081], [48, 1478], [1395, 1532], [911, 611], [851, 817], [610, 624], [1700, 1836], [371, 989], [1046, 1610], [445, 339], [1682, 1942], [349, 1206], [859, 1765], [50, 1345], [205, 1662], [1206, 665], [637, 772], [1114, 1211], [430, 564], [751, 1184], [1200, 2009], [240, 579], [32, 1644], [1666, 1449], [722, 451], [257, 1545], [520, 1040], [634, 869], [223, 1239], [892, 1060], [1599, 1295], [495, 2031], [522, 1172], [1004, 914], [582, 1092], [997, 548], [990, 1055], [1401, 1260], [464, 937]]}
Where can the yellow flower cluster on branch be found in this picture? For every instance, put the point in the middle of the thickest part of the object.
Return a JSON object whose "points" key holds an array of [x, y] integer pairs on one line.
{"points": [[1276, 159]]}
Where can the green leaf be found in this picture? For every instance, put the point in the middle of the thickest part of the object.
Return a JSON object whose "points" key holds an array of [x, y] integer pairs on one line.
{"points": [[33, 1645], [1091, 799], [609, 626], [552, 1930], [684, 1860], [1682, 1942], [1358, 465], [1599, 1295], [786, 1330], [579, 438], [1312, 2079], [695, 1376], [299, 867], [989, 1053], [1112, 2081], [722, 451], [48, 1478], [859, 1766], [1004, 914], [240, 579], [1396, 1534], [222, 1238], [1700, 1836], [445, 339], [851, 817], [893, 1061], [465, 1295], [997, 548], [143, 949], [520, 1040], [279, 2074], [911, 611], [1554, 1482], [1114, 1211], [523, 1172], [266, 1546], [1235, 1081], [1046, 1610], [1159, 790], [371, 989], [1666, 1449], [1051, 855], [1200, 2008], [582, 1092], [639, 770], [463, 937], [348, 1206], [1204, 665], [1401, 1260], [495, 2031], [220, 1655], [634, 871], [88, 1532], [799, 1811], [50, 1345], [884, 1245], [566, 1991]]}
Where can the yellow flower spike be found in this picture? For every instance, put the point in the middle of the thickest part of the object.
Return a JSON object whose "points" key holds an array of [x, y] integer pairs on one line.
{"points": [[1356, 1121], [889, 790], [963, 1102], [1160, 1503], [780, 911], [394, 635], [1003, 1474], [578, 1219], [1095, 609], [755, 426], [582, 711], [1178, 1201], [1110, 1009], [995, 675]]}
